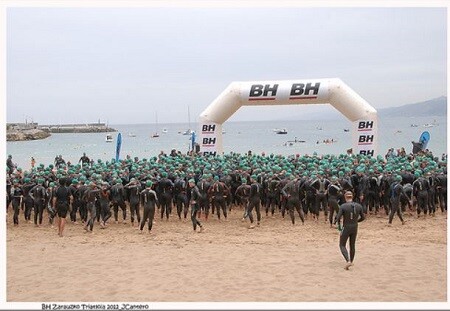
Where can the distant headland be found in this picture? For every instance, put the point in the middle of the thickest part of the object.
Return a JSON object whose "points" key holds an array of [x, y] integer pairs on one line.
{"points": [[34, 131]]}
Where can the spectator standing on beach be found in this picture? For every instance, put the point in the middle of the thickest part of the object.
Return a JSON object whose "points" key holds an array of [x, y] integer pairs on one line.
{"points": [[352, 213]]}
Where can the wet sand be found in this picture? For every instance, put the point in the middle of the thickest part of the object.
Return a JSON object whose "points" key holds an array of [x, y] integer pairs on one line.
{"points": [[228, 263]]}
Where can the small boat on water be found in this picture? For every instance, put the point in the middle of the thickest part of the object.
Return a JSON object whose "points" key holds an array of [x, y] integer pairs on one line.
{"points": [[155, 135], [281, 131], [414, 125], [164, 130], [109, 138], [187, 132], [428, 125], [346, 130], [131, 135]]}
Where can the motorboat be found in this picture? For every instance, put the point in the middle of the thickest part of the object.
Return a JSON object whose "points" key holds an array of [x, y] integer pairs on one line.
{"points": [[346, 130], [109, 138], [155, 135], [281, 131], [164, 130], [187, 132]]}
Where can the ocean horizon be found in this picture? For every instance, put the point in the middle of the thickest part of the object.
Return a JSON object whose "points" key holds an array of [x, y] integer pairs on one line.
{"points": [[239, 137]]}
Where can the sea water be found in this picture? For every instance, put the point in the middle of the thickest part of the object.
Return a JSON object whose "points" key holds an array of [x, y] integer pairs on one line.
{"points": [[239, 137]]}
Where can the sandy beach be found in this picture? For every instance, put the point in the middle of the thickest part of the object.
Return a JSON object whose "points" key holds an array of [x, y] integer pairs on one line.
{"points": [[228, 262]]}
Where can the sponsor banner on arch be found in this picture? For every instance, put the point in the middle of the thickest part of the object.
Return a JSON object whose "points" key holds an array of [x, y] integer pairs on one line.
{"points": [[210, 137], [365, 136]]}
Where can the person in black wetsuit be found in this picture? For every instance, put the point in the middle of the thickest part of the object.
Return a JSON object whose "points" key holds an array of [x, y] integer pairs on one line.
{"points": [[118, 200], [352, 213], [195, 207], [135, 189], [273, 194], [203, 200], [10, 165], [321, 185], [420, 191], [254, 201], [396, 193], [84, 160], [49, 202], [148, 199], [180, 196], [16, 199], [104, 199], [441, 189], [91, 196], [38, 195], [334, 191], [27, 201], [219, 192], [61, 204], [292, 194], [165, 186]]}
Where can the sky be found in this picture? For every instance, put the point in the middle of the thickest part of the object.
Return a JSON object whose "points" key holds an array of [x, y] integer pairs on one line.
{"points": [[126, 65]]}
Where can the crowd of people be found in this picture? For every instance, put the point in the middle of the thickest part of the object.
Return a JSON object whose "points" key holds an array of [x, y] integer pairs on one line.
{"points": [[200, 186]]}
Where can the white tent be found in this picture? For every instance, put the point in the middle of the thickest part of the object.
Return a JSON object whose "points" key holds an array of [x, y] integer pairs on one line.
{"points": [[290, 92]]}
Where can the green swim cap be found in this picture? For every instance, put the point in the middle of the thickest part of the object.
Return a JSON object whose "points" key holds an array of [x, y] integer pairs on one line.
{"points": [[149, 183]]}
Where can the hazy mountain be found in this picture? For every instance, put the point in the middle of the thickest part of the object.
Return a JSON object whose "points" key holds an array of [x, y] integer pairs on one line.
{"points": [[432, 107]]}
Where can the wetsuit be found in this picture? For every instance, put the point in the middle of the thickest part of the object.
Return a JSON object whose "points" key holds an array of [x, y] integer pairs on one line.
{"points": [[420, 191], [292, 194], [218, 192], [243, 194], [321, 185], [38, 194], [27, 201], [82, 208], [148, 199], [118, 200], [203, 200], [75, 204], [273, 195], [254, 201], [352, 213], [407, 198], [16, 198], [62, 196], [91, 197], [334, 191], [371, 194], [396, 193], [432, 194], [165, 196], [441, 188], [135, 190], [386, 182], [49, 202], [310, 198], [180, 197], [195, 196], [104, 198]]}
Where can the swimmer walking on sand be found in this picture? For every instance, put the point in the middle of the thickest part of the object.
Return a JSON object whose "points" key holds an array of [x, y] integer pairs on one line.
{"points": [[352, 213]]}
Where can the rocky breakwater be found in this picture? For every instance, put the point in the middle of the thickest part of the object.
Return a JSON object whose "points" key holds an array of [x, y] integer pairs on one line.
{"points": [[26, 134]]}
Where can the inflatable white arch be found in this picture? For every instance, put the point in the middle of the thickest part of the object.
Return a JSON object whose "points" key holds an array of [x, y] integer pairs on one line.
{"points": [[290, 92]]}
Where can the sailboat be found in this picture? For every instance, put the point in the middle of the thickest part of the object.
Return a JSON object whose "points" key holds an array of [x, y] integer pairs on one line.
{"points": [[188, 131], [155, 135]]}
